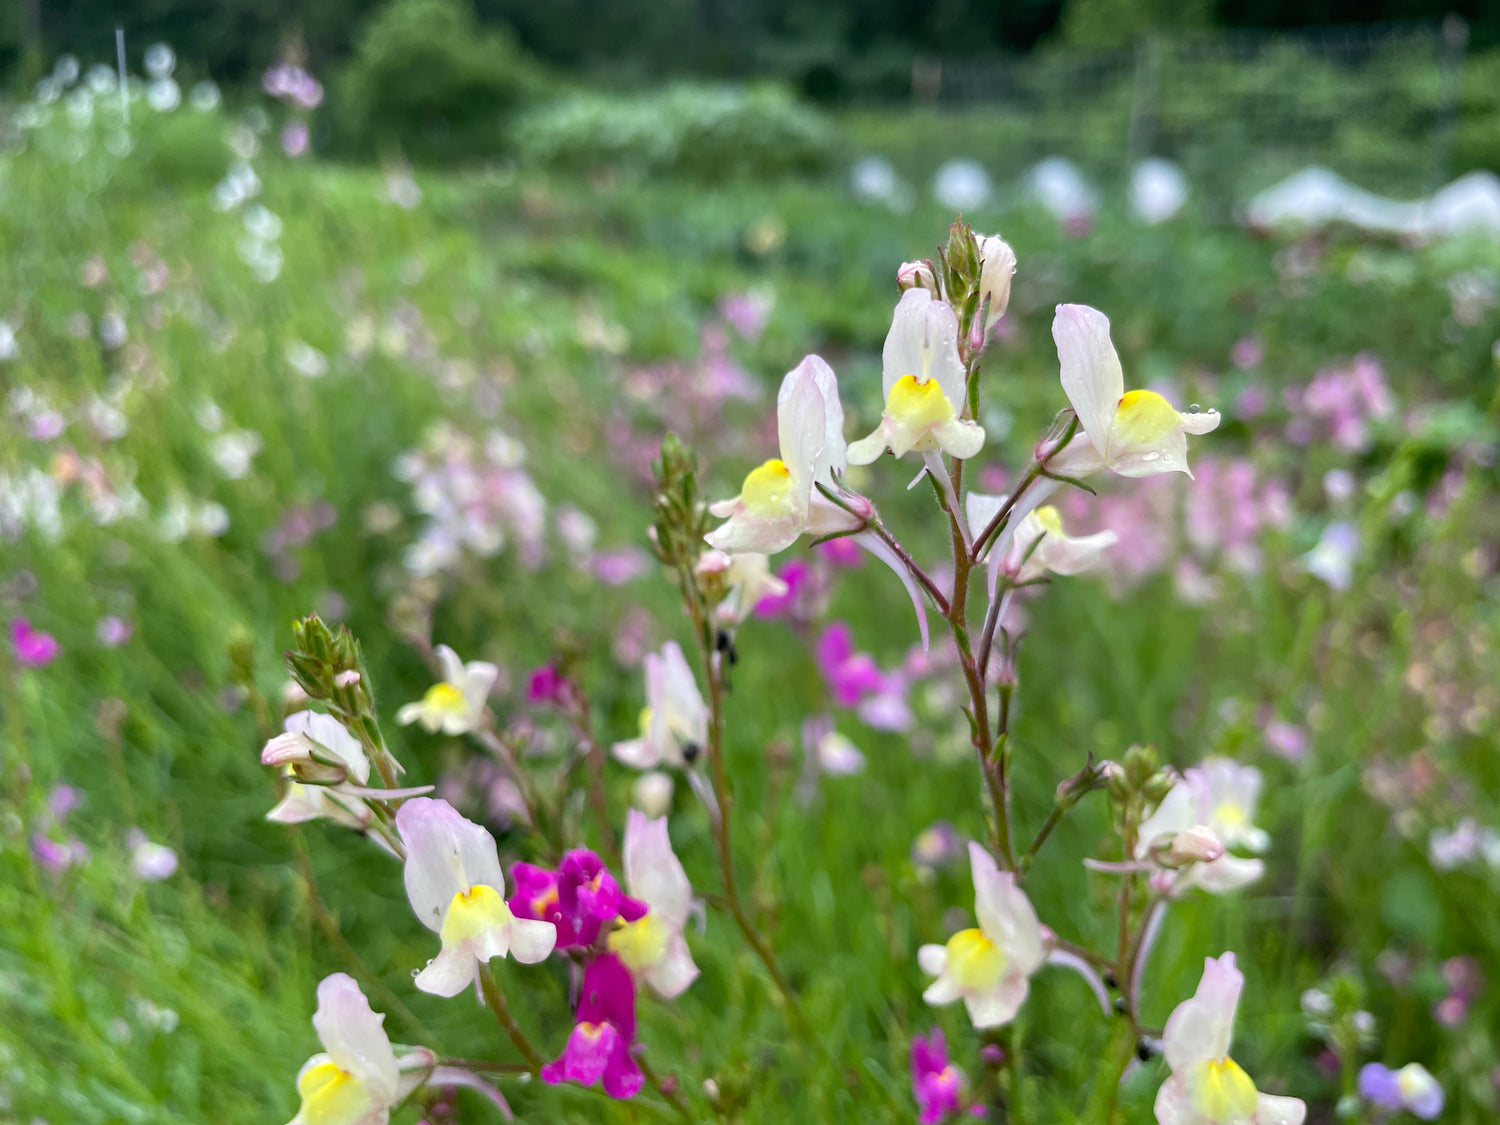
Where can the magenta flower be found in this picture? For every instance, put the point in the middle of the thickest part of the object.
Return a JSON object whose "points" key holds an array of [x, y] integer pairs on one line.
{"points": [[547, 685], [579, 898], [850, 675], [796, 577], [599, 1047], [936, 1084], [842, 552], [33, 648]]}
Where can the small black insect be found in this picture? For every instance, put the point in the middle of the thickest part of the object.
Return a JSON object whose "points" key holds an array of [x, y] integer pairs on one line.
{"points": [[690, 752]]}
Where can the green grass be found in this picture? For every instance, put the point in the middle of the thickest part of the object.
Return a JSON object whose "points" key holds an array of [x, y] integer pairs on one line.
{"points": [[490, 277]]}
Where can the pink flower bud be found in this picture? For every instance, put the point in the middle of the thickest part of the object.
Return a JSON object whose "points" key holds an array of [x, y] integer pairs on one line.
{"points": [[916, 275]]}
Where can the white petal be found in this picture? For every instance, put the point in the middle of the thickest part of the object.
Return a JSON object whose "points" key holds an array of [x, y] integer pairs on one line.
{"points": [[1273, 1110], [1077, 459], [745, 533], [671, 975], [1176, 813], [1203, 422], [1005, 913], [1090, 370], [981, 508], [932, 959], [1174, 1105], [868, 449], [923, 341], [445, 854], [801, 421], [1202, 1027], [1000, 1006], [477, 683], [636, 752], [333, 736], [531, 941], [652, 870], [451, 665], [301, 804], [959, 437], [1227, 873], [449, 973], [354, 1036], [409, 714], [944, 990]]}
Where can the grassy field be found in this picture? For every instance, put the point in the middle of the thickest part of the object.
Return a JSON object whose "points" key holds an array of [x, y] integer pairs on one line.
{"points": [[216, 411]]}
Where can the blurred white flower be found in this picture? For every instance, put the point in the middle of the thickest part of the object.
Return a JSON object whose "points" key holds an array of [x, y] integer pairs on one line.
{"points": [[164, 95], [160, 60], [962, 185], [1158, 189], [306, 360]]}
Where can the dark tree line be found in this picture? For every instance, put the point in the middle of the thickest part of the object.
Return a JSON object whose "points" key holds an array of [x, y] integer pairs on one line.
{"points": [[829, 47]]}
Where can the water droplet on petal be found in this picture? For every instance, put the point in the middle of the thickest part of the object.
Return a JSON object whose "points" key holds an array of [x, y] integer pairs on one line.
{"points": [[1194, 408], [1150, 456]]}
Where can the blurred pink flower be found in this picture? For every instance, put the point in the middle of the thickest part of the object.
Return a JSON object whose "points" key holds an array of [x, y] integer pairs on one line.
{"points": [[33, 648]]}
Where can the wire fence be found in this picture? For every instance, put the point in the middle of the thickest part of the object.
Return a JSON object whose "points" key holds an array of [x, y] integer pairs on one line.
{"points": [[1236, 109]]}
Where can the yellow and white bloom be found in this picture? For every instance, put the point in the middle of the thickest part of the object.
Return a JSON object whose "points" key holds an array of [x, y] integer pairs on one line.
{"points": [[1218, 795], [653, 947], [455, 704], [674, 722], [356, 1079], [925, 386], [988, 967], [1207, 1087], [1041, 545], [778, 501], [455, 886], [1133, 433]]}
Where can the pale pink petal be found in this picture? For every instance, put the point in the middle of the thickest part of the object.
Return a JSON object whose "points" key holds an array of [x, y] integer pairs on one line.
{"points": [[1273, 1110], [531, 941], [1173, 1104], [1005, 913], [1090, 370], [354, 1036], [652, 870], [671, 975]]}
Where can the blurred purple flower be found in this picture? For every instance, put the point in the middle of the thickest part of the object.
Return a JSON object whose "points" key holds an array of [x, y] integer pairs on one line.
{"points": [[112, 631], [33, 648]]}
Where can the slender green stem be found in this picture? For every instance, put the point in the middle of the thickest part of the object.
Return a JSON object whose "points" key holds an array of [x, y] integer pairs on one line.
{"points": [[494, 999]]}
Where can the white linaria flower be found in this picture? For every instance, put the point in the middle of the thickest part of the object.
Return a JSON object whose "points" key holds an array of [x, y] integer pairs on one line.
{"points": [[925, 386], [455, 885], [750, 580], [779, 500], [1133, 433], [454, 705], [1207, 1087], [653, 947], [357, 1078], [997, 265], [1034, 542], [987, 967], [674, 722], [316, 747], [1219, 795]]}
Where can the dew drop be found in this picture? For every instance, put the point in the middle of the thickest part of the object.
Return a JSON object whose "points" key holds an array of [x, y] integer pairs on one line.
{"points": [[1150, 456], [1194, 408]]}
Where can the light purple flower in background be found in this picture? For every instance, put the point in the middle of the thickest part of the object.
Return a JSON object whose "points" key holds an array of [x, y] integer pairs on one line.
{"points": [[112, 631], [294, 138], [62, 800], [843, 552], [58, 856], [33, 648], [938, 845], [797, 576], [618, 567], [1286, 740], [1411, 1088], [747, 312], [1248, 351], [599, 1047], [150, 862]]}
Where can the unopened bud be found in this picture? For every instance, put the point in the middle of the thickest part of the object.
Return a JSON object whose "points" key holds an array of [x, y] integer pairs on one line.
{"points": [[652, 793], [916, 275], [997, 265], [1157, 786], [1198, 844]]}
